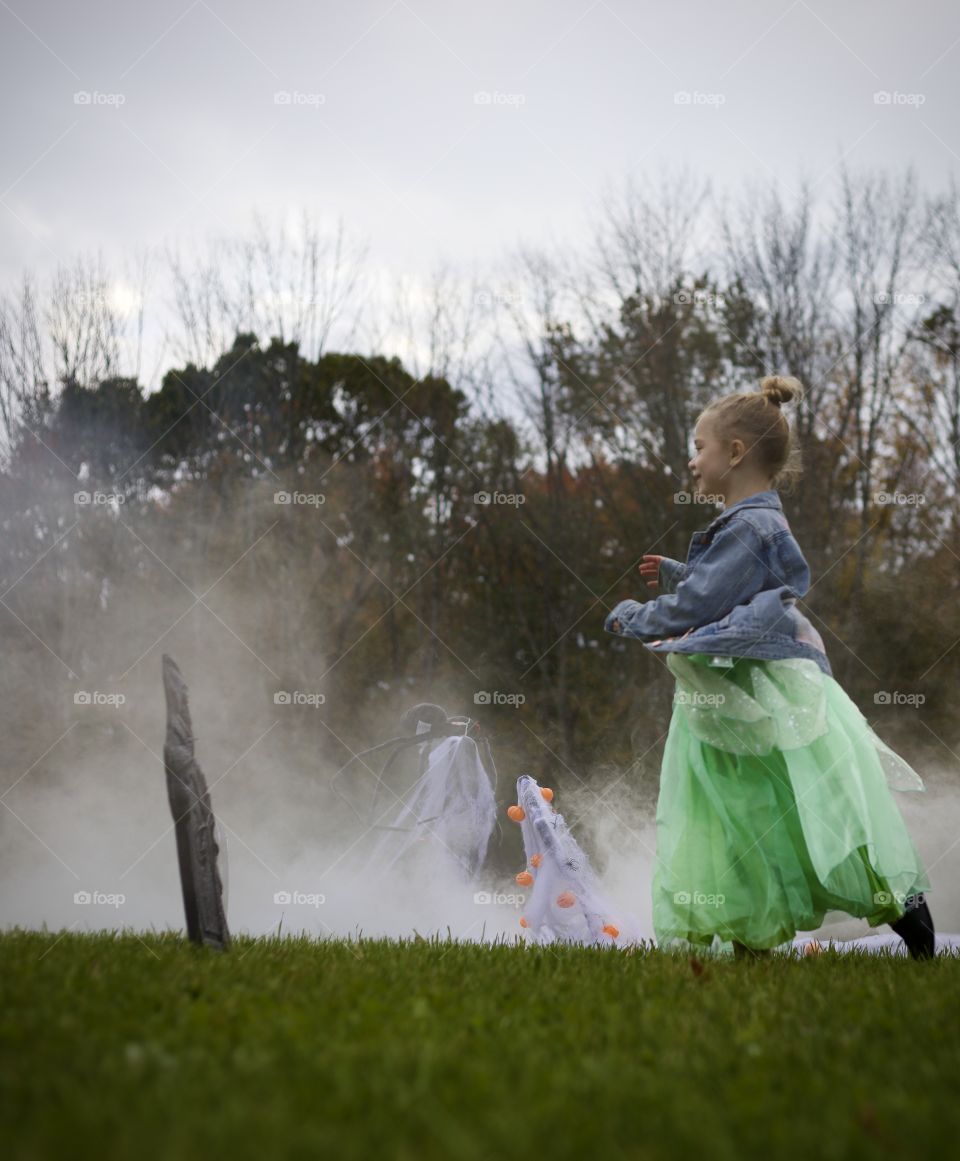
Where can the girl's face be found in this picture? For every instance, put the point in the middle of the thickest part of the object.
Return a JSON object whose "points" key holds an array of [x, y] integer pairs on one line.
{"points": [[710, 465]]}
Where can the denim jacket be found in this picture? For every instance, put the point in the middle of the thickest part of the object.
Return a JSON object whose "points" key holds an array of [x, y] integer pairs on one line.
{"points": [[736, 595]]}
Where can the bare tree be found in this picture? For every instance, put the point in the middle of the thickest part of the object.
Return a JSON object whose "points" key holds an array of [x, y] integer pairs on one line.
{"points": [[787, 263], [295, 288], [649, 237], [434, 327], [933, 412], [882, 231], [76, 332], [84, 327], [24, 385]]}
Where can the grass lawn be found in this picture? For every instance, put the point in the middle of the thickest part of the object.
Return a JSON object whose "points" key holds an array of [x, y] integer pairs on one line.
{"points": [[115, 1046]]}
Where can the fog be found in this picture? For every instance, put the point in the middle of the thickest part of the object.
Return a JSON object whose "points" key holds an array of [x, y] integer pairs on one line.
{"points": [[90, 816]]}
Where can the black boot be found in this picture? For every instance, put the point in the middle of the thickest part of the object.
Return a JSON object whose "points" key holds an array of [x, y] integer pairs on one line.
{"points": [[915, 928], [741, 951]]}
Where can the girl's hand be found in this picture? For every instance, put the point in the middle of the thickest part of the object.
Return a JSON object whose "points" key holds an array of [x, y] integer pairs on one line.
{"points": [[651, 568]]}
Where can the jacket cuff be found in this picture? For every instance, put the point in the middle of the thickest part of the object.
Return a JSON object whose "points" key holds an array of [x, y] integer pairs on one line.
{"points": [[614, 622], [670, 574]]}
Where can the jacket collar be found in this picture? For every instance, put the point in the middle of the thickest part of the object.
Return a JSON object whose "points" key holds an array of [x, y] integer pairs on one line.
{"points": [[769, 498]]}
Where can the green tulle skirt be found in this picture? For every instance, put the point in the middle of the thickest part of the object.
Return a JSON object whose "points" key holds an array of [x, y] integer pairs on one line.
{"points": [[775, 807]]}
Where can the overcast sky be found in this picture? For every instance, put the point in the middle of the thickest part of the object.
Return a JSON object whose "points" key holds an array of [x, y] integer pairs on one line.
{"points": [[440, 129]]}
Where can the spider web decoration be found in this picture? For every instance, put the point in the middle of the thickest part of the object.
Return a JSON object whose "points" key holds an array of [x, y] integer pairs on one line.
{"points": [[567, 903]]}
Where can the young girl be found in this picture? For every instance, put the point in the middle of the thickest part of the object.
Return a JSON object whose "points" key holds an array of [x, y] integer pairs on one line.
{"points": [[775, 803]]}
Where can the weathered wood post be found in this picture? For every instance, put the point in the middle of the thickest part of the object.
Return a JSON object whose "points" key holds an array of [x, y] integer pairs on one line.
{"points": [[197, 848]]}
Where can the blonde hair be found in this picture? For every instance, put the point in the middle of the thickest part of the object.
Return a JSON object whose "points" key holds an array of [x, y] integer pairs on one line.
{"points": [[756, 418]]}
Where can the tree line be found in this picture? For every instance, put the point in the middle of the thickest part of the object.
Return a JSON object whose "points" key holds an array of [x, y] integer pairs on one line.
{"points": [[454, 524]]}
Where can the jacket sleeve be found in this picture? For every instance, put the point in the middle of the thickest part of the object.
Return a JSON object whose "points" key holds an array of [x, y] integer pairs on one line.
{"points": [[728, 572], [671, 574]]}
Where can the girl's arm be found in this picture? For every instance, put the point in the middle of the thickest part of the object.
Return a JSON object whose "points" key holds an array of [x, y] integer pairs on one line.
{"points": [[729, 571], [663, 571]]}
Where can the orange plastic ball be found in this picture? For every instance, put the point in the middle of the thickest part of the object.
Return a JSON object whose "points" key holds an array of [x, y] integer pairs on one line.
{"points": [[547, 793], [566, 899], [536, 860], [524, 879], [523, 922], [611, 930], [517, 813]]}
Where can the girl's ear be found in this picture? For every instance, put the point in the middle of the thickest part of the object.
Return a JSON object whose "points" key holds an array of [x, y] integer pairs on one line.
{"points": [[737, 450]]}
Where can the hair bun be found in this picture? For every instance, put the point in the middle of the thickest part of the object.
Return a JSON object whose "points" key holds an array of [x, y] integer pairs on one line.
{"points": [[781, 389]]}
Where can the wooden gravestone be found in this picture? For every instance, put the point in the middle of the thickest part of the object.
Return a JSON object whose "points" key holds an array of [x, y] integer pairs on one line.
{"points": [[193, 818]]}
